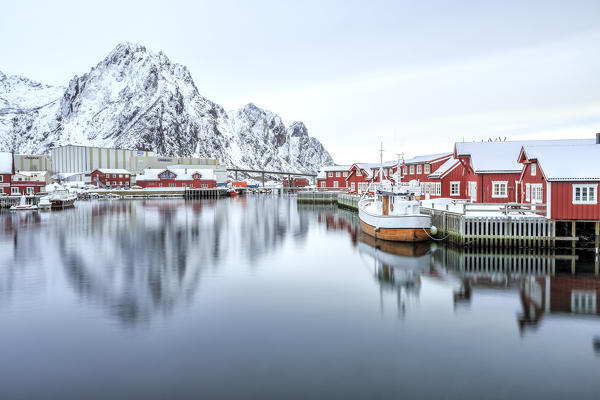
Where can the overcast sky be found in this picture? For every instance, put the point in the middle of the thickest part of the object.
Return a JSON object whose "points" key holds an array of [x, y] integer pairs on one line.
{"points": [[416, 75]]}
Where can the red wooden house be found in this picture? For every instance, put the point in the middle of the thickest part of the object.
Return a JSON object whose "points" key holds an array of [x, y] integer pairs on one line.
{"points": [[177, 178], [421, 168], [361, 175], [332, 176], [29, 183], [296, 182], [492, 171], [111, 178], [565, 178], [7, 169]]}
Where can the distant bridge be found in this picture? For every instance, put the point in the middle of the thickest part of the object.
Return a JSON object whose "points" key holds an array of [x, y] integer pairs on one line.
{"points": [[263, 172]]}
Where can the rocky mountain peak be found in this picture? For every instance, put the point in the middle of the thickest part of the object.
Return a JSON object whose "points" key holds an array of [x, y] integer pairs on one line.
{"points": [[138, 99], [298, 129]]}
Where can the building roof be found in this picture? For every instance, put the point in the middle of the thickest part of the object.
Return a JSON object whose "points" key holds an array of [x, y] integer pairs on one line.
{"points": [[503, 156], [5, 163], [426, 158], [448, 165], [567, 163], [183, 174], [113, 171]]}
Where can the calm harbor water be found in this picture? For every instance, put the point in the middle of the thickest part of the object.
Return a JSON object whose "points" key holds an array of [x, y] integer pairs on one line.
{"points": [[260, 298]]}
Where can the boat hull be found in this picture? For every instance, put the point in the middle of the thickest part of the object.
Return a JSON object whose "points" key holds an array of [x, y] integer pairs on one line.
{"points": [[396, 234], [58, 204]]}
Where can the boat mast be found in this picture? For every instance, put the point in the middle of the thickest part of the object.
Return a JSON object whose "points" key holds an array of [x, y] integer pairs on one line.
{"points": [[381, 164]]}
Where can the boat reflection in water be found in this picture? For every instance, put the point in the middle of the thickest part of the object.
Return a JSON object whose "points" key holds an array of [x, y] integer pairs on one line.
{"points": [[397, 266]]}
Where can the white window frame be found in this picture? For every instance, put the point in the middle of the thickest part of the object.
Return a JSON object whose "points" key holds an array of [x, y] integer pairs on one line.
{"points": [[438, 188], [14, 190], [427, 169], [528, 192], [412, 169], [330, 174], [499, 184], [323, 183], [30, 191], [537, 193], [345, 174], [585, 188], [455, 184], [358, 172], [337, 174], [533, 169], [405, 170], [419, 169], [352, 186], [1, 178], [336, 184]]}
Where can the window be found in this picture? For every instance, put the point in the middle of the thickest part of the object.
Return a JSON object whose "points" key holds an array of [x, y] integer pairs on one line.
{"points": [[204, 185], [358, 172], [30, 191], [126, 183], [412, 169], [537, 193], [330, 174], [405, 170], [533, 169], [120, 175], [114, 175], [167, 175], [172, 184], [114, 184], [438, 188], [427, 168], [583, 302], [499, 189], [338, 174], [336, 184], [585, 194], [454, 188], [419, 170], [14, 190], [184, 185], [1, 178], [345, 174], [323, 184], [352, 187]]}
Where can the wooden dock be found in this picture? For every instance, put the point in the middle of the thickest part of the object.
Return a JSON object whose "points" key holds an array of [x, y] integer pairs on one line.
{"points": [[9, 201]]}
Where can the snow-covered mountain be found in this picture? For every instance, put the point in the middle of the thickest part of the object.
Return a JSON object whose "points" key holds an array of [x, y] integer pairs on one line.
{"points": [[138, 99]]}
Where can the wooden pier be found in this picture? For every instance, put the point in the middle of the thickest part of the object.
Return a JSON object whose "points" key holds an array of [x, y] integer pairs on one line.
{"points": [[213, 193]]}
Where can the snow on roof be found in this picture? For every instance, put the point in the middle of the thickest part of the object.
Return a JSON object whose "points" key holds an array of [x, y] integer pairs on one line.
{"points": [[331, 168], [113, 171], [369, 168], [426, 158], [5, 163], [183, 174], [445, 167], [503, 156], [567, 163]]}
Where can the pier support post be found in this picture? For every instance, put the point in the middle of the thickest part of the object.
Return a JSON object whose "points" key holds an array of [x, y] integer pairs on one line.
{"points": [[236, 178], [573, 231], [263, 179]]}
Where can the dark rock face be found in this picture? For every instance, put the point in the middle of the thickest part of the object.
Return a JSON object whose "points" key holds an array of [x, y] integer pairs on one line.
{"points": [[138, 99]]}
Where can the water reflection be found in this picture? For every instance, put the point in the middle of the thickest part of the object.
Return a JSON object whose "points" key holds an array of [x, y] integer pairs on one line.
{"points": [[139, 258]]}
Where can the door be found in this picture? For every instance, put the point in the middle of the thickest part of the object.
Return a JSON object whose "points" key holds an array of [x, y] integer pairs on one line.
{"points": [[473, 191]]}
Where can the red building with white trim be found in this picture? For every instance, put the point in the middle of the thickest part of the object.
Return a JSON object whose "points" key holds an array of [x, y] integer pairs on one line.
{"points": [[29, 183], [332, 176], [422, 169], [565, 178], [177, 178], [111, 178], [360, 175]]}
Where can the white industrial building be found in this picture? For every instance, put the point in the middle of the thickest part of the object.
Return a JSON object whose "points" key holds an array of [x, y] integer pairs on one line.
{"points": [[82, 160]]}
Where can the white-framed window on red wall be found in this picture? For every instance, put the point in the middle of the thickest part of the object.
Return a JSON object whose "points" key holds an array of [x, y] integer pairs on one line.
{"points": [[499, 189], [585, 194], [533, 169], [419, 170], [455, 188]]}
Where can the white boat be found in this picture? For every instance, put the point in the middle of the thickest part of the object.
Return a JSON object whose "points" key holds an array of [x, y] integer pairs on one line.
{"points": [[45, 203], [23, 206], [395, 215], [62, 199]]}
